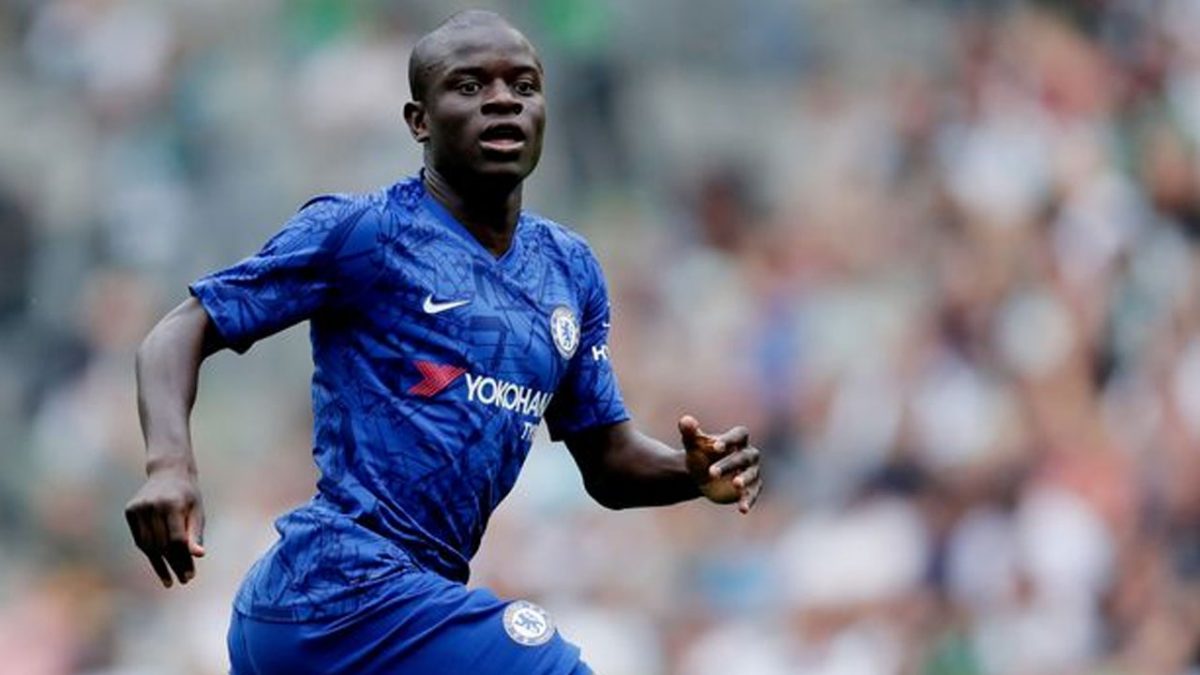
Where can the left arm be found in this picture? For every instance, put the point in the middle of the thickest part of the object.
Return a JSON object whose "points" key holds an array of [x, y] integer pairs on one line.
{"points": [[621, 467], [624, 468]]}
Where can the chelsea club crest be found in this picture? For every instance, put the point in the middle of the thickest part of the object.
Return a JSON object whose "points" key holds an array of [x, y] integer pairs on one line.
{"points": [[527, 624], [564, 328]]}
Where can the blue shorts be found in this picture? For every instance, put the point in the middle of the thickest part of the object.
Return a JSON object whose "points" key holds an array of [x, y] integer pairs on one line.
{"points": [[422, 624]]}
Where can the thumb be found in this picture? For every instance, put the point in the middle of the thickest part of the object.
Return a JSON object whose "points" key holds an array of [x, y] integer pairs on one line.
{"points": [[689, 429], [195, 532]]}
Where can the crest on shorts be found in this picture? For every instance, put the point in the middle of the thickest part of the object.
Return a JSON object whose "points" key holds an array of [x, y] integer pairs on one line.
{"points": [[527, 624], [565, 330]]}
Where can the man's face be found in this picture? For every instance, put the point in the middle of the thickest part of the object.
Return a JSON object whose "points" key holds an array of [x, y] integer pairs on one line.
{"points": [[484, 111]]}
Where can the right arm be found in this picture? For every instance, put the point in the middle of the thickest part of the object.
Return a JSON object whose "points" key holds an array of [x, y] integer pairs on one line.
{"points": [[166, 516], [295, 274]]}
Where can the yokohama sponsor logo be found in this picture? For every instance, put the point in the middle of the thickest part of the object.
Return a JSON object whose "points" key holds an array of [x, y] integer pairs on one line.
{"points": [[435, 377], [506, 395]]}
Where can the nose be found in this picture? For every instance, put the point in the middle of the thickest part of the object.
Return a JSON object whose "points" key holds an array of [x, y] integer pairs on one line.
{"points": [[501, 100]]}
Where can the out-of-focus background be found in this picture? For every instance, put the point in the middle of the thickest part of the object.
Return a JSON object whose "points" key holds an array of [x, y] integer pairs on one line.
{"points": [[940, 256]]}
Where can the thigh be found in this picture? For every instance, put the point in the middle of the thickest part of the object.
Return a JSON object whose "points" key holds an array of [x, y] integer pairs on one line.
{"points": [[429, 626], [482, 634]]}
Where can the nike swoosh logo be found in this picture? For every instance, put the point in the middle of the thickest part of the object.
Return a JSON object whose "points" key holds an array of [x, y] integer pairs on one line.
{"points": [[432, 307]]}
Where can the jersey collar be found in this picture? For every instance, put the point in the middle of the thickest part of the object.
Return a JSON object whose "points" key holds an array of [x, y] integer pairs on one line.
{"points": [[440, 214]]}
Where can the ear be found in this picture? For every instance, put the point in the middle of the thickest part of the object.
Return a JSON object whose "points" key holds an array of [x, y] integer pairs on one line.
{"points": [[414, 115]]}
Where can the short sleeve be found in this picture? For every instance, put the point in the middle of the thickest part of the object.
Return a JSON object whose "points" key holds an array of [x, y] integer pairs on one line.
{"points": [[290, 279], [588, 395]]}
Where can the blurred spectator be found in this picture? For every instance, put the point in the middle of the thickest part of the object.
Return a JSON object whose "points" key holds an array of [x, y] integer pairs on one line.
{"points": [[16, 253], [580, 43]]}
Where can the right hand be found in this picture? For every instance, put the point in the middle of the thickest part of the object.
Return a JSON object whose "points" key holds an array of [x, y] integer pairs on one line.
{"points": [[166, 518]]}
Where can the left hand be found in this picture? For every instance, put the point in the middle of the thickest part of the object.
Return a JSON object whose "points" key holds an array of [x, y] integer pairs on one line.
{"points": [[725, 467]]}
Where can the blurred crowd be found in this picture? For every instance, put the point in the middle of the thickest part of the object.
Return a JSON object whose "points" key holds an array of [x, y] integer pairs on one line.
{"points": [[940, 257]]}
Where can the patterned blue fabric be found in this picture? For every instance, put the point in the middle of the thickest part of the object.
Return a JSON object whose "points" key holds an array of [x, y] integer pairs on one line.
{"points": [[425, 625], [434, 361]]}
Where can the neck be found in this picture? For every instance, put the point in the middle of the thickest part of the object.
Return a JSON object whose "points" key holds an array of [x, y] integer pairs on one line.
{"points": [[489, 214]]}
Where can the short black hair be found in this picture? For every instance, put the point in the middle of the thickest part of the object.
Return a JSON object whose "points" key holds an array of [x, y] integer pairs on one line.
{"points": [[425, 53]]}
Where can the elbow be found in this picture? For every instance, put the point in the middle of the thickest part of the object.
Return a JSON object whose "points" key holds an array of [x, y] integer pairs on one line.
{"points": [[605, 494], [153, 346], [183, 334], [145, 352], [609, 501]]}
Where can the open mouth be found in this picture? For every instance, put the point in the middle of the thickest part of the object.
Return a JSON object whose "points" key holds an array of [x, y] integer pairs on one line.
{"points": [[502, 138]]}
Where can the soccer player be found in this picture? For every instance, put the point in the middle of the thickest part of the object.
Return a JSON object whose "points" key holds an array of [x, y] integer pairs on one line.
{"points": [[446, 322]]}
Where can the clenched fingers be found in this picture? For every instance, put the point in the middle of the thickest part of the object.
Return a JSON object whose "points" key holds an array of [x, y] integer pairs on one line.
{"points": [[177, 552], [195, 532], [166, 528], [732, 440], [746, 478], [140, 526], [736, 462], [750, 486]]}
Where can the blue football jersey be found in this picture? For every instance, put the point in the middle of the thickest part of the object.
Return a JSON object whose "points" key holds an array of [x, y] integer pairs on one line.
{"points": [[434, 363]]}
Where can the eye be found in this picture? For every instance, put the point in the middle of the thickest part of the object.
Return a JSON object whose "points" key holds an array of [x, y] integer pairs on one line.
{"points": [[469, 87], [525, 87]]}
